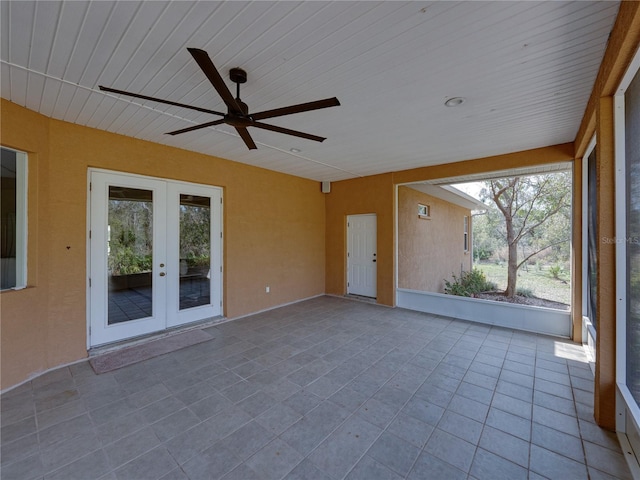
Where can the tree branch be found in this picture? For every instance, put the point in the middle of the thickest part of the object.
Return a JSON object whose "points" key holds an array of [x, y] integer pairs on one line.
{"points": [[541, 250], [549, 214], [501, 191], [536, 196]]}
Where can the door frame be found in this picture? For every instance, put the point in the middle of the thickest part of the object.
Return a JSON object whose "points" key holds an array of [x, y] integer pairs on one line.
{"points": [[217, 247], [348, 261]]}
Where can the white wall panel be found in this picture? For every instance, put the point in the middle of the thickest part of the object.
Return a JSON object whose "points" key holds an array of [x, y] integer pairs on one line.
{"points": [[531, 319]]}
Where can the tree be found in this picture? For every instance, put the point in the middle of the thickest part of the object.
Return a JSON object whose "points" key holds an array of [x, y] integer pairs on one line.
{"points": [[488, 234], [528, 205], [195, 231], [130, 236]]}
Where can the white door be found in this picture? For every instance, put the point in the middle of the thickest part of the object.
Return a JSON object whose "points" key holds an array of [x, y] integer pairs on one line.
{"points": [[155, 255], [362, 255]]}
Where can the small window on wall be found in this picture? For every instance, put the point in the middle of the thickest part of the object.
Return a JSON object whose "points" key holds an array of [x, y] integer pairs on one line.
{"points": [[13, 219], [424, 211], [466, 234]]}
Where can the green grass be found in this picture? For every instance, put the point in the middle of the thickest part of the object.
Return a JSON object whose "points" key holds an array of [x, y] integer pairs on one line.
{"points": [[539, 281]]}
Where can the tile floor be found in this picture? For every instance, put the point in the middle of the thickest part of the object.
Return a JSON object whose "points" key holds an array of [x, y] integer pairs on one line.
{"points": [[324, 389]]}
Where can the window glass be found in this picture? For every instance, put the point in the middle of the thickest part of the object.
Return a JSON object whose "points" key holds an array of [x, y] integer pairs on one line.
{"points": [[466, 234], [195, 251], [424, 211], [12, 219], [632, 155], [130, 249]]}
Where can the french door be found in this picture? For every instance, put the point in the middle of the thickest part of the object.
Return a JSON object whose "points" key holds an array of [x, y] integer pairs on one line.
{"points": [[155, 255]]}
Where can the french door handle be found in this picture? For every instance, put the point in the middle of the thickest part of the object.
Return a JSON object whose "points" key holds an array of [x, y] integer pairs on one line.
{"points": [[162, 274]]}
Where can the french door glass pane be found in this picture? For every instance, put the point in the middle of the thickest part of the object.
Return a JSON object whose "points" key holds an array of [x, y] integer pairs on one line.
{"points": [[130, 253], [195, 251]]}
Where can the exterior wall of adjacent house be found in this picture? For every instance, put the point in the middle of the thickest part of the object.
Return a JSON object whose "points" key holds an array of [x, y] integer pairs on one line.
{"points": [[274, 233], [430, 250]]}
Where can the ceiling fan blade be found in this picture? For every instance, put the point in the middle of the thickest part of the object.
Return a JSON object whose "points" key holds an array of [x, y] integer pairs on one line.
{"points": [[168, 102], [244, 133], [209, 69], [287, 131], [196, 127], [302, 107]]}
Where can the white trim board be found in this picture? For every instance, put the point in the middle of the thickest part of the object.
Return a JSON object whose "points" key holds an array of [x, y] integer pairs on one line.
{"points": [[520, 317]]}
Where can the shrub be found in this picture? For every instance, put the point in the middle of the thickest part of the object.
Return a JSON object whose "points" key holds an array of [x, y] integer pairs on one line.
{"points": [[524, 292], [456, 287], [123, 261], [469, 283], [198, 260], [483, 253], [555, 271]]}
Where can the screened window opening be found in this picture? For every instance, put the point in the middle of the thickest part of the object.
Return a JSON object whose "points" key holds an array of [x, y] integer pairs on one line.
{"points": [[632, 159], [592, 223]]}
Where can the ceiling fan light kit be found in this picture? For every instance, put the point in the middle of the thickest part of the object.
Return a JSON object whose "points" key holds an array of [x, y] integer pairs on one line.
{"points": [[237, 115]]}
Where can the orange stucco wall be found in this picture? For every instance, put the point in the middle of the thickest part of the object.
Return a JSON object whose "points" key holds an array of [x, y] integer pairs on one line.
{"points": [[430, 250], [24, 317], [280, 230], [537, 156], [274, 227], [374, 194]]}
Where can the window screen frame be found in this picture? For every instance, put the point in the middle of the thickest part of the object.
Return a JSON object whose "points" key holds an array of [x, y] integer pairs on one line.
{"points": [[21, 218], [631, 404]]}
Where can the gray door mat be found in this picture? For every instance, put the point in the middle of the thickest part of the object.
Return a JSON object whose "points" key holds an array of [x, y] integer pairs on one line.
{"points": [[138, 353]]}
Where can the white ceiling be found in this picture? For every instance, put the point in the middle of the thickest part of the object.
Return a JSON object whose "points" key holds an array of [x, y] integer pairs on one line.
{"points": [[525, 68]]}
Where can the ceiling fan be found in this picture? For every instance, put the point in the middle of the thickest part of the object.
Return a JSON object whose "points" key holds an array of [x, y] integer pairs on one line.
{"points": [[237, 115]]}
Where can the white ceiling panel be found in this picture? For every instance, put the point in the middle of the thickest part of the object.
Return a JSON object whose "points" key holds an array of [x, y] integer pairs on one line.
{"points": [[46, 15], [525, 69]]}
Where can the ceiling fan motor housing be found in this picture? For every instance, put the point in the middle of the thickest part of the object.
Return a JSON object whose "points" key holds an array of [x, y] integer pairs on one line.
{"points": [[237, 119], [238, 75]]}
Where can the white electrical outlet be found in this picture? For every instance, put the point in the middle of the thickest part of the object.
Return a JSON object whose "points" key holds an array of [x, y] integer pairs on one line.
{"points": [[267, 289]]}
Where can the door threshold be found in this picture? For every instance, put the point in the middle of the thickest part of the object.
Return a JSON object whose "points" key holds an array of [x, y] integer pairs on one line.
{"points": [[361, 298], [130, 342]]}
